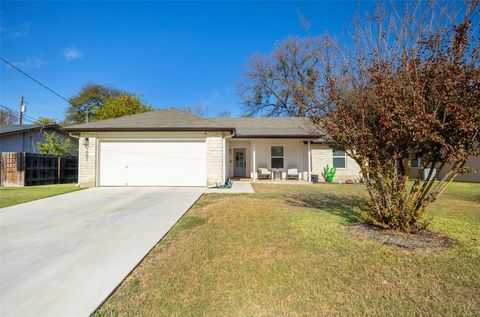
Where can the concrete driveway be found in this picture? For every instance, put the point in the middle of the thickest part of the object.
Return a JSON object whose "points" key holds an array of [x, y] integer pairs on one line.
{"points": [[64, 255]]}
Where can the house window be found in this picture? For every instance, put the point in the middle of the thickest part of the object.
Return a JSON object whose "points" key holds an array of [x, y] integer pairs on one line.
{"points": [[339, 159], [415, 162], [277, 156]]}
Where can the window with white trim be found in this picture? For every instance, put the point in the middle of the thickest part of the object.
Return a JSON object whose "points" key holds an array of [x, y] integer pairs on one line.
{"points": [[339, 158], [277, 156]]}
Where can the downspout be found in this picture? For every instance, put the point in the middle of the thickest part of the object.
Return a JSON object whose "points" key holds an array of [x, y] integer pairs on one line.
{"points": [[78, 167], [225, 156]]}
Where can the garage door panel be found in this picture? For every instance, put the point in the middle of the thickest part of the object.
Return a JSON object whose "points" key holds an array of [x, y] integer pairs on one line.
{"points": [[162, 163]]}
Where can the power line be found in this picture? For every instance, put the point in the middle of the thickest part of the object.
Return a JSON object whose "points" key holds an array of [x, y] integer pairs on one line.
{"points": [[44, 86], [25, 117], [16, 113], [38, 118]]}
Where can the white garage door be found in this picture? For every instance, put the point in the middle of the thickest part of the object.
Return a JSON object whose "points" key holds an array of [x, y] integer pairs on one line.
{"points": [[153, 163]]}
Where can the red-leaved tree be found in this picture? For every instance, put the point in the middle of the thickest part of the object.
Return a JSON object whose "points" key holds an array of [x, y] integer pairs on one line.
{"points": [[409, 87]]}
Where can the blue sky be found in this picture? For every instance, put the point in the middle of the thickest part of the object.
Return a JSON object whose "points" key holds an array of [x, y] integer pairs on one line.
{"points": [[172, 54]]}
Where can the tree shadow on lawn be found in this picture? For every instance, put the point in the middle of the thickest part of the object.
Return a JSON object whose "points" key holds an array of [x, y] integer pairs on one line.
{"points": [[423, 240], [335, 204]]}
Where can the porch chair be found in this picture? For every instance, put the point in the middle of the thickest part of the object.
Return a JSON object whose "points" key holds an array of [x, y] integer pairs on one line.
{"points": [[292, 173], [264, 173]]}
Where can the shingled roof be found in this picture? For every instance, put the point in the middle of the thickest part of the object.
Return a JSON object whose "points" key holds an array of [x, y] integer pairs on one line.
{"points": [[170, 119], [269, 127], [16, 128]]}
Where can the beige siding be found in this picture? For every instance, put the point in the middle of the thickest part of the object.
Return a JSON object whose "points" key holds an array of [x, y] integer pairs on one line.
{"points": [[323, 155]]}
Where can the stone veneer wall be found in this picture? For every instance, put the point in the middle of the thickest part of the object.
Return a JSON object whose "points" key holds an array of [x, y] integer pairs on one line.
{"points": [[323, 155], [87, 160], [215, 158]]}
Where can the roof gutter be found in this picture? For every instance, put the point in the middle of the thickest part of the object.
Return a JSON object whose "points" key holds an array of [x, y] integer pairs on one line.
{"points": [[148, 129], [276, 136]]}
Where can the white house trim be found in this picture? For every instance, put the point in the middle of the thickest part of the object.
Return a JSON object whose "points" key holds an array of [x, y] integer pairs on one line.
{"points": [[309, 155], [254, 171]]}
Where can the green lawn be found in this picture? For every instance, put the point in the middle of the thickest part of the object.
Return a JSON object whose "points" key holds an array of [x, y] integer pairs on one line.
{"points": [[286, 250], [16, 195]]}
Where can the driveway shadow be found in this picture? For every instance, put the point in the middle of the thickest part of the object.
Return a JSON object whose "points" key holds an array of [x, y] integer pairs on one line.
{"points": [[335, 204]]}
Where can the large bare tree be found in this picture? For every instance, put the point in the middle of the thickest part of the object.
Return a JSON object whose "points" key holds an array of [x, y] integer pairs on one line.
{"points": [[286, 82], [408, 86]]}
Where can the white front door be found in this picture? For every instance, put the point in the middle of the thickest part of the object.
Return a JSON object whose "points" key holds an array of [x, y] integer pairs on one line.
{"points": [[153, 163]]}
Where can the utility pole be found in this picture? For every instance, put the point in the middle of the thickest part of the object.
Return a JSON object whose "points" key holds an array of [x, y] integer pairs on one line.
{"points": [[22, 110]]}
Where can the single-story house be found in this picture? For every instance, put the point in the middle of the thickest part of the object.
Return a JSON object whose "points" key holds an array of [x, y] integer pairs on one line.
{"points": [[171, 147], [24, 138]]}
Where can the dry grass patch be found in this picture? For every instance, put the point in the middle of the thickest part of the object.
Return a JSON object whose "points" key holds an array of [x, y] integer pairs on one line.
{"points": [[286, 250]]}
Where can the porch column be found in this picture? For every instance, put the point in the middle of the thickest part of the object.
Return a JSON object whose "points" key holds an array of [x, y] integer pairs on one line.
{"points": [[224, 172], [309, 154], [254, 163]]}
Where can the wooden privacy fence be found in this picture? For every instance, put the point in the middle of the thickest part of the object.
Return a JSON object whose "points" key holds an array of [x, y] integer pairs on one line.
{"points": [[29, 169]]}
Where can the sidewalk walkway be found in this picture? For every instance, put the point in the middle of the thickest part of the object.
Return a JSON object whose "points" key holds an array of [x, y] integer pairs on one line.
{"points": [[238, 187]]}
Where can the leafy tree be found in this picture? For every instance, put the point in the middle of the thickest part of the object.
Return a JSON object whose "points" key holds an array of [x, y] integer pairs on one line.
{"points": [[54, 145], [409, 86], [84, 106], [122, 105], [45, 121], [7, 117]]}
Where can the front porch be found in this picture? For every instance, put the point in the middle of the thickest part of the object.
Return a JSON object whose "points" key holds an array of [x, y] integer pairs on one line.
{"points": [[271, 181], [246, 156]]}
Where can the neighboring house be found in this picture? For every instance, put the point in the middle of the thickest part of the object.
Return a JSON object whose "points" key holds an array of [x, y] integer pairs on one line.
{"points": [[174, 148], [473, 163], [24, 138]]}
